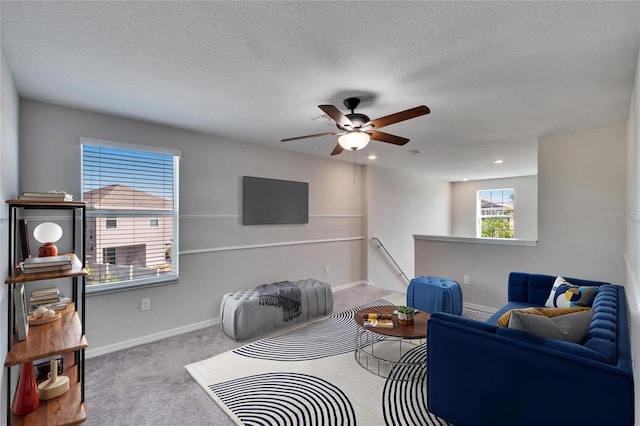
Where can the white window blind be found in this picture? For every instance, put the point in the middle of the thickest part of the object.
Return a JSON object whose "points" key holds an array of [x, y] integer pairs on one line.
{"points": [[126, 188]]}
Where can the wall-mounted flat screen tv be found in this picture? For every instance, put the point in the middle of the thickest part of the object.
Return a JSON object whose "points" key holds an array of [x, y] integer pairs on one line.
{"points": [[273, 201]]}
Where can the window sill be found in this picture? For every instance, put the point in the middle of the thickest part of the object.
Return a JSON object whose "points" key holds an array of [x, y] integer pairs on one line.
{"points": [[498, 241], [96, 291]]}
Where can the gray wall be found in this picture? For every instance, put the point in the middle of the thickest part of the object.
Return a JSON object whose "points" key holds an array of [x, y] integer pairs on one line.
{"points": [[632, 216], [400, 204], [525, 209], [217, 253], [581, 186], [8, 190]]}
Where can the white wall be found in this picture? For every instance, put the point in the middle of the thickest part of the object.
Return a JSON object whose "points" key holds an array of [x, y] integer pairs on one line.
{"points": [[9, 106], [581, 187], [212, 260], [632, 215], [525, 205], [400, 204]]}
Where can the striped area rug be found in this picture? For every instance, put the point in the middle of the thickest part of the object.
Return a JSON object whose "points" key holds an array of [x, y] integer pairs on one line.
{"points": [[308, 376]]}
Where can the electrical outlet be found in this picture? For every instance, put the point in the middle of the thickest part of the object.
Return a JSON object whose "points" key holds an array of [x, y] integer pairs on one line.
{"points": [[466, 279], [326, 270], [145, 304]]}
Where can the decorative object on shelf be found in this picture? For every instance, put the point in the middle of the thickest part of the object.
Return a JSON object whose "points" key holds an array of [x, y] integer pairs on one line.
{"points": [[27, 392], [55, 385], [405, 315], [47, 233], [43, 315], [24, 239], [42, 367], [20, 304]]}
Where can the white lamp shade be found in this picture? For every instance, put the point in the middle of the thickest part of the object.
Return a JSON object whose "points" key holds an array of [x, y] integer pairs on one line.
{"points": [[354, 140], [47, 232]]}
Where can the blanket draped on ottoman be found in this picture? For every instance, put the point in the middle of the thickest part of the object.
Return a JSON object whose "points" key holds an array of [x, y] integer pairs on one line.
{"points": [[284, 295]]}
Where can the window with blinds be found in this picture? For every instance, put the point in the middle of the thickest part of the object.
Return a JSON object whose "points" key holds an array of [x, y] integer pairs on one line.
{"points": [[132, 214]]}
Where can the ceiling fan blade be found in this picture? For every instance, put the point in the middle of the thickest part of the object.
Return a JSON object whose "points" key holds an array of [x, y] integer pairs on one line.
{"points": [[386, 137], [399, 116], [337, 150], [337, 116], [308, 136]]}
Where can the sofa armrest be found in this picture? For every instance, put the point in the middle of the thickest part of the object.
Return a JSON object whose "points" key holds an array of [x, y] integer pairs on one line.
{"points": [[478, 377]]}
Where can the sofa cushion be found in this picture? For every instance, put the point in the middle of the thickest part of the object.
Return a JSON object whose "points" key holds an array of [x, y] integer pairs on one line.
{"points": [[602, 335], [493, 319], [569, 327], [535, 310], [565, 294]]}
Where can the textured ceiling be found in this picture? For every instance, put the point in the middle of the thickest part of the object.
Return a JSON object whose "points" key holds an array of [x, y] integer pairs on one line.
{"points": [[496, 75]]}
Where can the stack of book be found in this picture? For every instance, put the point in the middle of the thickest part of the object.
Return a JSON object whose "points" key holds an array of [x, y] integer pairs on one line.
{"points": [[46, 196], [50, 298], [34, 265], [44, 296]]}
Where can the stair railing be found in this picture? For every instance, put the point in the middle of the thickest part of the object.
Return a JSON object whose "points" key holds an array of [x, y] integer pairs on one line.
{"points": [[380, 245]]}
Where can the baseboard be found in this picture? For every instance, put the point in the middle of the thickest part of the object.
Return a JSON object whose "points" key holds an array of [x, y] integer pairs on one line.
{"points": [[103, 350], [349, 285], [479, 307]]}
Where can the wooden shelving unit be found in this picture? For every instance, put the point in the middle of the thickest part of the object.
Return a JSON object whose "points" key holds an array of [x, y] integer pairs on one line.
{"points": [[64, 337]]}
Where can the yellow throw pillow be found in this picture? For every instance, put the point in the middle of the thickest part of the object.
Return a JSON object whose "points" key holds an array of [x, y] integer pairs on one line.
{"points": [[547, 312]]}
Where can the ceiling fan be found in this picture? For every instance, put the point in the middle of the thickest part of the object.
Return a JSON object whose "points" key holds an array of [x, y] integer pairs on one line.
{"points": [[355, 130]]}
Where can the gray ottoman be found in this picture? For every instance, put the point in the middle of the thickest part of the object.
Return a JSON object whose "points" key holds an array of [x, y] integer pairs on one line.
{"points": [[242, 316]]}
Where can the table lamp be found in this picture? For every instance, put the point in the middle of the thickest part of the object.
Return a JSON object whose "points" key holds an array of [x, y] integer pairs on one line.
{"points": [[47, 233]]}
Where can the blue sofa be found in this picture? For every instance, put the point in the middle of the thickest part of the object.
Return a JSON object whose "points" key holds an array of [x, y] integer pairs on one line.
{"points": [[481, 374]]}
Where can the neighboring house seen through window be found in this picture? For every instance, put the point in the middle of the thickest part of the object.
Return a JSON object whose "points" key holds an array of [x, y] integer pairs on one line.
{"points": [[495, 213], [132, 214]]}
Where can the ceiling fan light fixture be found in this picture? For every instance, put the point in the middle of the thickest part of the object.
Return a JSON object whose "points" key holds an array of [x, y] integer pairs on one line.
{"points": [[354, 140]]}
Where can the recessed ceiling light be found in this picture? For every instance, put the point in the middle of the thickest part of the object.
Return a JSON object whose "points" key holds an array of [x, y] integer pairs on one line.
{"points": [[464, 180], [498, 161], [372, 157]]}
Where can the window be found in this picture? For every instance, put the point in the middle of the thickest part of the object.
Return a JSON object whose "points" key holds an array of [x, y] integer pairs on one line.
{"points": [[109, 255], [132, 214], [495, 213]]}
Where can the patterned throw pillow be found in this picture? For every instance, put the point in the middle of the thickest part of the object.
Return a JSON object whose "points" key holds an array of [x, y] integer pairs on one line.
{"points": [[567, 295]]}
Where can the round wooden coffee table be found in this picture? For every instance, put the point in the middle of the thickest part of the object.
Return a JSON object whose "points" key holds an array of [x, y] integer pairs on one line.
{"points": [[381, 350]]}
